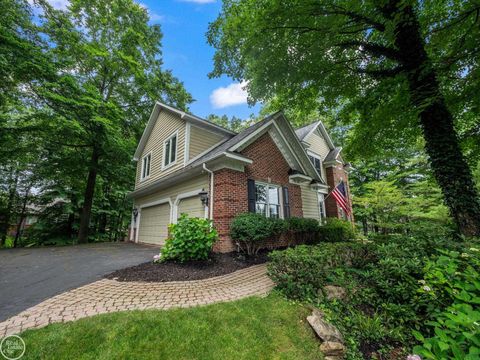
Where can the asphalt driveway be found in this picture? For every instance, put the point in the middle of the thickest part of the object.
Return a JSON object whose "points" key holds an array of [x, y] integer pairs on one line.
{"points": [[29, 276]]}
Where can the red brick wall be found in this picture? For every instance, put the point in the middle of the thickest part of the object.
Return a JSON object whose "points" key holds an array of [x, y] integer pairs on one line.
{"points": [[334, 175], [231, 194]]}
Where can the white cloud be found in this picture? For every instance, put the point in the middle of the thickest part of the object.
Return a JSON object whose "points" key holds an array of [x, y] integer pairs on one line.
{"points": [[233, 94], [199, 1]]}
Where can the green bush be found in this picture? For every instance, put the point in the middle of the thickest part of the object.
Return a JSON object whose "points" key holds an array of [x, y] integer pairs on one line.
{"points": [[301, 272], [301, 230], [452, 283], [189, 239], [250, 231], [336, 230]]}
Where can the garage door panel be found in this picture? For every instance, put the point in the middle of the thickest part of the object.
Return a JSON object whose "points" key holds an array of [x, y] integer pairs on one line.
{"points": [[192, 206], [154, 222]]}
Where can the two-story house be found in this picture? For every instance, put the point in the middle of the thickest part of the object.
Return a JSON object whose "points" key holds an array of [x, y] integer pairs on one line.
{"points": [[186, 164]]}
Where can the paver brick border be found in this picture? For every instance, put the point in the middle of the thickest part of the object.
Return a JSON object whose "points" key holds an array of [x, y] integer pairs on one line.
{"points": [[105, 296]]}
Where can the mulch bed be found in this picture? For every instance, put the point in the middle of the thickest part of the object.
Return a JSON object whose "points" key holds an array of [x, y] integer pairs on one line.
{"points": [[218, 264]]}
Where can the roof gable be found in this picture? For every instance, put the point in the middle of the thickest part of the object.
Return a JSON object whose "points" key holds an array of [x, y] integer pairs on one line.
{"points": [[305, 132], [184, 116]]}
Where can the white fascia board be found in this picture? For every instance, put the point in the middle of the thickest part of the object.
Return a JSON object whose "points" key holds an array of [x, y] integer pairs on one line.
{"points": [[237, 157], [183, 115], [146, 132], [326, 136], [196, 119], [312, 168]]}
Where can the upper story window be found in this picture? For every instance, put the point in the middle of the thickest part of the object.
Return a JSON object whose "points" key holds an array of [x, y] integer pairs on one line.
{"points": [[170, 151], [146, 161], [317, 163], [267, 200]]}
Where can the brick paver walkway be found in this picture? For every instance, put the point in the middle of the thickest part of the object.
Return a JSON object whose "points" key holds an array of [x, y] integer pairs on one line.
{"points": [[106, 296]]}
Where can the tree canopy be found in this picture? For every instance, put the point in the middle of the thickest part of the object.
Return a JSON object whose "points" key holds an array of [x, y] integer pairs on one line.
{"points": [[392, 70], [84, 109]]}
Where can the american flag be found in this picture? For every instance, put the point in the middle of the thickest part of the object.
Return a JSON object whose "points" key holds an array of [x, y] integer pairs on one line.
{"points": [[340, 195]]}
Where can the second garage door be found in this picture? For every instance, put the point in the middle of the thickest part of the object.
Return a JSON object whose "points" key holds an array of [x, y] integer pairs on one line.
{"points": [[192, 206], [154, 222]]}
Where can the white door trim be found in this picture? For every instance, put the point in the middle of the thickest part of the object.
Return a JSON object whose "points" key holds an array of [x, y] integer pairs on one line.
{"points": [[177, 201], [150, 204]]}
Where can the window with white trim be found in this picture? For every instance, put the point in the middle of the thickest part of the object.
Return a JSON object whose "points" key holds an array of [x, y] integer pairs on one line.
{"points": [[317, 163], [170, 150], [146, 161], [267, 200], [321, 206]]}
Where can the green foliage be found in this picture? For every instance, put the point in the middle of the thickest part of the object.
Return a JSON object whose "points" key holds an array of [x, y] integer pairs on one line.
{"points": [[451, 287], [301, 272], [381, 280], [369, 74], [189, 239], [336, 230], [250, 231], [235, 124], [74, 101], [302, 230]]}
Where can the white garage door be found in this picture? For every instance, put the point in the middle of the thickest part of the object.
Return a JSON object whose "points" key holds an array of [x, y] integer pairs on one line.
{"points": [[192, 206], [154, 222]]}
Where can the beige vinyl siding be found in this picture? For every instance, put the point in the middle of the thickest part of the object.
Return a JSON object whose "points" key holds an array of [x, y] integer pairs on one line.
{"points": [[191, 206], [318, 144], [167, 124], [201, 140], [199, 182], [154, 222], [309, 202]]}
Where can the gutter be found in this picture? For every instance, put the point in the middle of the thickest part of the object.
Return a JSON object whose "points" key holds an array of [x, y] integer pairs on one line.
{"points": [[210, 205]]}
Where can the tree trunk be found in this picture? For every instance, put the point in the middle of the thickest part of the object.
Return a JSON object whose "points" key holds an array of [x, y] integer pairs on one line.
{"points": [[23, 217], [441, 141], [88, 197], [13, 183]]}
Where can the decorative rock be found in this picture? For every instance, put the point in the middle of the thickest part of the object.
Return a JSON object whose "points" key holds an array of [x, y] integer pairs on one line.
{"points": [[332, 348], [335, 292], [333, 358], [324, 330]]}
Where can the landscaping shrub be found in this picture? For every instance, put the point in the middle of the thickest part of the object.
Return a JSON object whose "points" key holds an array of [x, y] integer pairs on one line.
{"points": [[189, 239], [250, 231], [301, 272], [301, 230], [336, 230], [381, 280]]}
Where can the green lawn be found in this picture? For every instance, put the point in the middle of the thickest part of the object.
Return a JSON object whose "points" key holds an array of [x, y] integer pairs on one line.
{"points": [[253, 328]]}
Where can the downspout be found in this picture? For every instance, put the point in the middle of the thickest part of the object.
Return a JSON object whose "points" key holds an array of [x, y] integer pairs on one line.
{"points": [[210, 205]]}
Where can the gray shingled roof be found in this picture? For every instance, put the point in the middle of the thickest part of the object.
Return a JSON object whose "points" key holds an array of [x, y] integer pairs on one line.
{"points": [[232, 141], [304, 131], [217, 151], [332, 155]]}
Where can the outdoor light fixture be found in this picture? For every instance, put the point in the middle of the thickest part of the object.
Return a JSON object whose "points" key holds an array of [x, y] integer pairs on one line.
{"points": [[203, 197], [135, 214]]}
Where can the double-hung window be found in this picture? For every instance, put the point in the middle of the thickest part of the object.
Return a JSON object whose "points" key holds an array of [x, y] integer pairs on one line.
{"points": [[170, 151], [267, 200], [146, 161], [317, 163]]}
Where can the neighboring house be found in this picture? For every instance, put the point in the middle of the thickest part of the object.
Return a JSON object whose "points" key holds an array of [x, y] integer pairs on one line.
{"points": [[189, 165]]}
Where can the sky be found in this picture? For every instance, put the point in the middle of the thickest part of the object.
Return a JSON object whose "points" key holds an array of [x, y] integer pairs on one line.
{"points": [[186, 53]]}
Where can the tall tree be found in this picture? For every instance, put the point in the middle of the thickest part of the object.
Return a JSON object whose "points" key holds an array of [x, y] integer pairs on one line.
{"points": [[108, 61], [393, 61]]}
